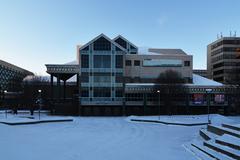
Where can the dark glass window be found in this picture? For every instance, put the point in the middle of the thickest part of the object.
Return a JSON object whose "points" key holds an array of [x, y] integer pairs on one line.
{"points": [[119, 78], [84, 93], [133, 52], [118, 49], [102, 92], [119, 61], [131, 47], [136, 63], [84, 77], [218, 72], [186, 63], [102, 61], [84, 61], [102, 77], [102, 44], [121, 42], [218, 65], [119, 93], [128, 63]]}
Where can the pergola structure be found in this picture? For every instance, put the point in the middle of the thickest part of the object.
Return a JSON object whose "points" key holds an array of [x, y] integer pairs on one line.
{"points": [[62, 72]]}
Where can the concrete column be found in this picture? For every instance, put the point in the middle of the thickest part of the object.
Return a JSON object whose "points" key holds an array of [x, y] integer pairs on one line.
{"points": [[58, 87], [51, 86], [64, 89]]}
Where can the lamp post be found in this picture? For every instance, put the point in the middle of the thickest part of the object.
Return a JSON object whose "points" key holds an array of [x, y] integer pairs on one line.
{"points": [[158, 91], [4, 98], [39, 101], [208, 91]]}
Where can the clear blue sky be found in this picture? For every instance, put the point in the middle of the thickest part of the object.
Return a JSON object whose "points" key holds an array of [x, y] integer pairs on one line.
{"points": [[33, 33]]}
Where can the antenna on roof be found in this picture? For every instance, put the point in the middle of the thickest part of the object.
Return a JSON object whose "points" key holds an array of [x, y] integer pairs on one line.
{"points": [[235, 33], [217, 36], [221, 34], [230, 33]]}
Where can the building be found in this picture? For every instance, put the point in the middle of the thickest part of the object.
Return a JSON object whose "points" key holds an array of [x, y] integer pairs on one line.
{"points": [[115, 77], [223, 60], [201, 72], [11, 76]]}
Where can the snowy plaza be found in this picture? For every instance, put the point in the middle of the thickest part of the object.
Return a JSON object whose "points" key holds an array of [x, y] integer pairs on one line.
{"points": [[108, 138]]}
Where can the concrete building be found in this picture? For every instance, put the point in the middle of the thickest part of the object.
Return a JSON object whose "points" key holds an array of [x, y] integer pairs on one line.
{"points": [[114, 76], [223, 60]]}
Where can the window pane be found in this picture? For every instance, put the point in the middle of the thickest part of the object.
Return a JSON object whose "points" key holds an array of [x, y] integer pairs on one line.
{"points": [[102, 92], [84, 77], [102, 77], [121, 42], [119, 61], [102, 44], [128, 63], [119, 78], [102, 61], [84, 61], [136, 63]]}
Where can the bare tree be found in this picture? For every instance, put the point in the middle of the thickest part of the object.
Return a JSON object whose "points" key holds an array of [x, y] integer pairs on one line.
{"points": [[172, 90]]}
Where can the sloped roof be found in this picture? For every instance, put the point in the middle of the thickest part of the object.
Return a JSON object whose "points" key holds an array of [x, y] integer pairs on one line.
{"points": [[72, 62], [106, 37], [202, 81], [120, 36]]}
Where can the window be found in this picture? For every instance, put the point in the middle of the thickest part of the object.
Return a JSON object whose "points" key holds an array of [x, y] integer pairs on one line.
{"points": [[102, 44], [102, 61], [84, 61], [119, 93], [128, 63], [133, 52], [131, 47], [136, 63], [119, 78], [186, 63], [84, 77], [121, 42], [102, 92], [102, 77], [119, 61], [84, 93]]}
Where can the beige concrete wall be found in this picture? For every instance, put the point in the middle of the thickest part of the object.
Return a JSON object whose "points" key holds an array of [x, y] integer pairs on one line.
{"points": [[153, 72]]}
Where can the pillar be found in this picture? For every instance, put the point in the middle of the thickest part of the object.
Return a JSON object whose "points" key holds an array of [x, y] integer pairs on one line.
{"points": [[58, 86], [64, 89], [51, 87]]}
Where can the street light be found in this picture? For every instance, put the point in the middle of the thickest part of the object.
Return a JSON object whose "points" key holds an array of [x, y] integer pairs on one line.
{"points": [[39, 103], [208, 91], [158, 91], [4, 98]]}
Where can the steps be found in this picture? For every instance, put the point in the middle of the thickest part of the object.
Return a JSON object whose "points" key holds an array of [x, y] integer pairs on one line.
{"points": [[230, 126], [229, 141], [212, 154], [219, 130], [233, 153], [206, 135], [219, 142]]}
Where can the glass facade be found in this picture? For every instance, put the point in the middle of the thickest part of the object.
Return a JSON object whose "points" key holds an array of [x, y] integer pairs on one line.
{"points": [[84, 61], [11, 78], [102, 44], [119, 61], [162, 62], [102, 61], [102, 92]]}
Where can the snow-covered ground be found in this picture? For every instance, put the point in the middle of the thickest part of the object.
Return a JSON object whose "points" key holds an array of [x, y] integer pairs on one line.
{"points": [[92, 138], [187, 119]]}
